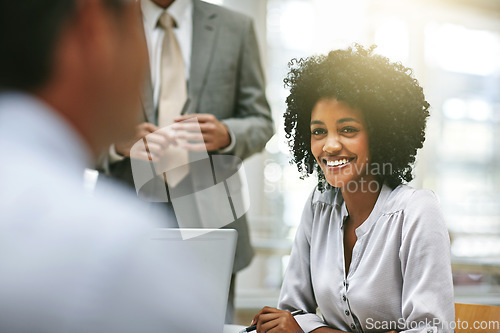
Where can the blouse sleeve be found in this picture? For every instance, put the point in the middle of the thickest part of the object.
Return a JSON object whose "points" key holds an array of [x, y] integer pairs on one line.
{"points": [[297, 292], [427, 296]]}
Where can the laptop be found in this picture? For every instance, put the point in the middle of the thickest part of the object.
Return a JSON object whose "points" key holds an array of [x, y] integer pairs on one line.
{"points": [[200, 269], [188, 294]]}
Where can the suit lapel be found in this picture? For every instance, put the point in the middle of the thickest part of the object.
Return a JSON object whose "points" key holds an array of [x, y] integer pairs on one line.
{"points": [[148, 106], [204, 33]]}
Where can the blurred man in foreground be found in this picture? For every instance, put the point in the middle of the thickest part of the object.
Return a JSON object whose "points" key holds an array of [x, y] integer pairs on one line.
{"points": [[70, 76]]}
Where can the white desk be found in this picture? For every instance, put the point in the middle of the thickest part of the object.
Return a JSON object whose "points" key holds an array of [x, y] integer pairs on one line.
{"points": [[233, 328]]}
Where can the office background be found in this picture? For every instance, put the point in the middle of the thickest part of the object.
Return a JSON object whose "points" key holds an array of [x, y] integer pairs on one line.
{"points": [[454, 48]]}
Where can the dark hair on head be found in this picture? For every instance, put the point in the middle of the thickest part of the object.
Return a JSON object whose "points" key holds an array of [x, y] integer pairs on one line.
{"points": [[390, 99], [29, 30]]}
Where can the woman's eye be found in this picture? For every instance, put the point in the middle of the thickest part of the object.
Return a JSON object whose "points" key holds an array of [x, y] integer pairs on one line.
{"points": [[318, 131], [349, 130]]}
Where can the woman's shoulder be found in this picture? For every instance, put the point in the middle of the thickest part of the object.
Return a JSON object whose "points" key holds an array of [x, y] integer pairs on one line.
{"points": [[405, 197], [419, 207]]}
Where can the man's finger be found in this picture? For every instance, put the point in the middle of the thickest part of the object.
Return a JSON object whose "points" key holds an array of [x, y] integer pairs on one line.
{"points": [[194, 127], [144, 156], [158, 139], [187, 136], [194, 146], [148, 127], [155, 148], [201, 117]]}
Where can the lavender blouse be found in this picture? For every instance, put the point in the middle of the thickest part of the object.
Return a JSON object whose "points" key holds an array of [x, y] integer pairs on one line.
{"points": [[400, 274]]}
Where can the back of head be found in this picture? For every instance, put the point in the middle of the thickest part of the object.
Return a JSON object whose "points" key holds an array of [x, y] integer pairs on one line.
{"points": [[29, 30], [28, 33], [84, 58]]}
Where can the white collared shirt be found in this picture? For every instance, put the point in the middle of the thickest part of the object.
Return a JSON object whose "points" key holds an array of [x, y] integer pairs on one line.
{"points": [[182, 12]]}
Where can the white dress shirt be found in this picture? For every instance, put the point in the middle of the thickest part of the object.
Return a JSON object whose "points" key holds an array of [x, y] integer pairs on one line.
{"points": [[182, 12], [400, 273], [70, 262]]}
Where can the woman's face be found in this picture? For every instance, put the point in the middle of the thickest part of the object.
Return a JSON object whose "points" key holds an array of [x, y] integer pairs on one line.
{"points": [[339, 142]]}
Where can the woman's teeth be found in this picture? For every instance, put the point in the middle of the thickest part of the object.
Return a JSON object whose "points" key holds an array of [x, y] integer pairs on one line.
{"points": [[337, 162]]}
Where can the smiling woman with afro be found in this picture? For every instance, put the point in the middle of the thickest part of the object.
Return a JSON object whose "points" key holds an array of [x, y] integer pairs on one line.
{"points": [[390, 99], [370, 253]]}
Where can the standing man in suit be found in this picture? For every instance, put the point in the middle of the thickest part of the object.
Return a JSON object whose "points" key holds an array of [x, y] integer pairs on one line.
{"points": [[209, 54]]}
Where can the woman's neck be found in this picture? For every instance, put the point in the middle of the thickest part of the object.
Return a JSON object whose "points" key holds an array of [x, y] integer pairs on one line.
{"points": [[360, 202]]}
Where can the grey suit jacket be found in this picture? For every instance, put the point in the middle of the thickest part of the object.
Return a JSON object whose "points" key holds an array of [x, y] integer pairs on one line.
{"points": [[226, 80]]}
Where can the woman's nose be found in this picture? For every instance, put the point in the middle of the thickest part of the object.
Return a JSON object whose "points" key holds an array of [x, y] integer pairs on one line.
{"points": [[332, 145]]}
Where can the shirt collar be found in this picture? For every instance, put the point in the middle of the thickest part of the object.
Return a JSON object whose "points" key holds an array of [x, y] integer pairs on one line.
{"points": [[344, 214], [377, 210], [152, 12]]}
